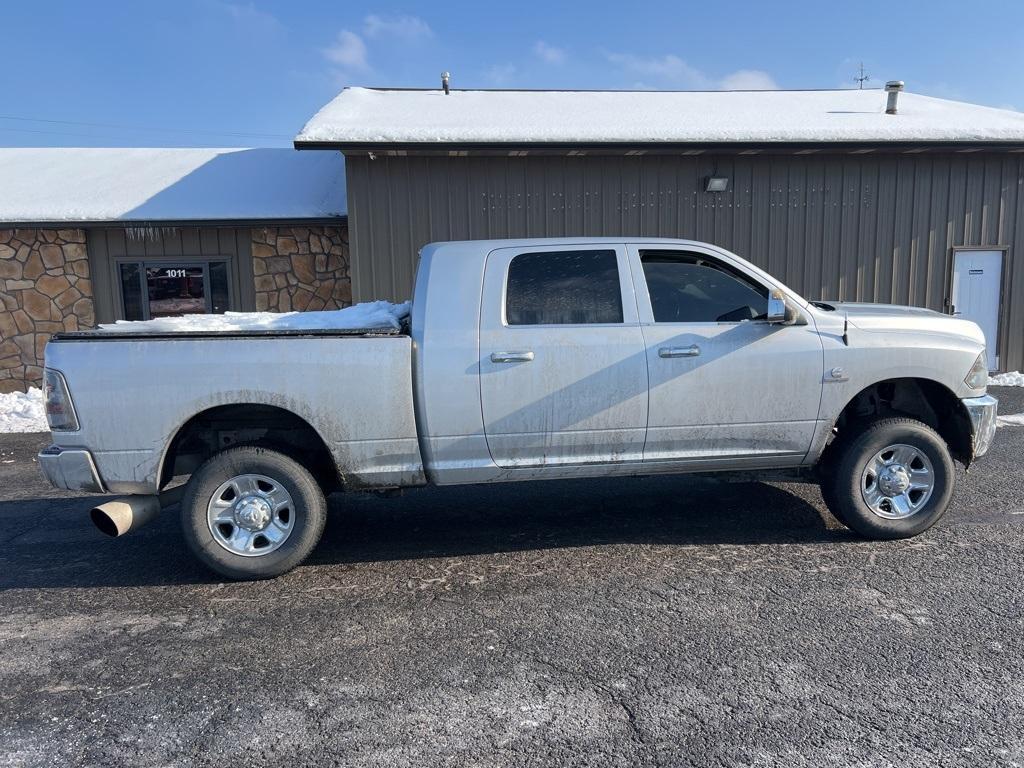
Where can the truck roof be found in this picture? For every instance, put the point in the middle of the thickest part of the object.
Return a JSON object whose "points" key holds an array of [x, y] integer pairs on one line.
{"points": [[523, 242]]}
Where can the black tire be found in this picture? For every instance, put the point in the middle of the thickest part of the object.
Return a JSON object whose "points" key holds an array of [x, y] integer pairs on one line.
{"points": [[841, 487], [829, 497], [826, 473], [309, 508]]}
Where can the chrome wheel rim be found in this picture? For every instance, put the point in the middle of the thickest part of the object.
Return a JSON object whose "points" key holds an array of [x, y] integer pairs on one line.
{"points": [[251, 515], [897, 481]]}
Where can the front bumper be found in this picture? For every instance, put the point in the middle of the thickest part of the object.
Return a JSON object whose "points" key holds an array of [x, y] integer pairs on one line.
{"points": [[70, 468], [982, 411]]}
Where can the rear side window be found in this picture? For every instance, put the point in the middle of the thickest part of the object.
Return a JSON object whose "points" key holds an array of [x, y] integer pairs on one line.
{"points": [[690, 288], [563, 288]]}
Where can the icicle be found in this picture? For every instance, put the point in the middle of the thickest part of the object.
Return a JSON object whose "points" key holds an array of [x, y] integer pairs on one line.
{"points": [[149, 232]]}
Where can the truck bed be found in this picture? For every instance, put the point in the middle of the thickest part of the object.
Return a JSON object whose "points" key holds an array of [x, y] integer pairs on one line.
{"points": [[133, 392]]}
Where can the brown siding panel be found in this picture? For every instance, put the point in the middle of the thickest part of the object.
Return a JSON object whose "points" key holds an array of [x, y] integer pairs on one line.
{"points": [[869, 227]]}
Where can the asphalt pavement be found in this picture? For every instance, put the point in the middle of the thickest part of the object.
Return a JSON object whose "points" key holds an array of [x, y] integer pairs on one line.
{"points": [[666, 621]]}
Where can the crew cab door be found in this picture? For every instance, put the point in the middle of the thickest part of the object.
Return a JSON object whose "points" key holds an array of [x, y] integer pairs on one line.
{"points": [[725, 385], [563, 375]]}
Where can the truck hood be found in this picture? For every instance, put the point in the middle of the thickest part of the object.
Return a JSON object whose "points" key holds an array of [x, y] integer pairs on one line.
{"points": [[892, 318]]}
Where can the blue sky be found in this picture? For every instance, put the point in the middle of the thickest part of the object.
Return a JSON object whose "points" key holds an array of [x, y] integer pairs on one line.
{"points": [[216, 73]]}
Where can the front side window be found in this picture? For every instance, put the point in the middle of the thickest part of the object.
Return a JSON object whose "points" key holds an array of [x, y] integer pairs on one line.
{"points": [[563, 288], [691, 288]]}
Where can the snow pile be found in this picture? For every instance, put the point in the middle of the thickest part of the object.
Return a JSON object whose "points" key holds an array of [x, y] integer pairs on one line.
{"points": [[23, 412], [1012, 379], [371, 314], [425, 116], [1013, 420]]}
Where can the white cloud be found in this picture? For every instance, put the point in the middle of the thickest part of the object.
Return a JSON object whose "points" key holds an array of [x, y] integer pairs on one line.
{"points": [[671, 71], [250, 18], [549, 53], [670, 68], [748, 80], [348, 51], [404, 27], [501, 74]]}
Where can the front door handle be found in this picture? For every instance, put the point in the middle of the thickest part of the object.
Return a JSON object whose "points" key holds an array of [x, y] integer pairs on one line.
{"points": [[511, 357], [691, 351]]}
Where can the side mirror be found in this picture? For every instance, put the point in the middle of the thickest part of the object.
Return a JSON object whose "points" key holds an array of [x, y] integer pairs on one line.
{"points": [[776, 307]]}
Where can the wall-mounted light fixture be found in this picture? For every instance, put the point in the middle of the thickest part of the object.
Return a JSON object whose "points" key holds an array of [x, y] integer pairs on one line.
{"points": [[716, 183]]}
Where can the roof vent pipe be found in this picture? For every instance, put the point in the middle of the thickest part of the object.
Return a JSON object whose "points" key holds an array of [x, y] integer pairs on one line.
{"points": [[445, 78], [893, 88]]}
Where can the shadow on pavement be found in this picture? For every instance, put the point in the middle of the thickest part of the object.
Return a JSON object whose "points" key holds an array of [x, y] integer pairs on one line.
{"points": [[56, 545]]}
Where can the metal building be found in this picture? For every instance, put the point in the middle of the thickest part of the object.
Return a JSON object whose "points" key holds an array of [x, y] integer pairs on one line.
{"points": [[845, 195]]}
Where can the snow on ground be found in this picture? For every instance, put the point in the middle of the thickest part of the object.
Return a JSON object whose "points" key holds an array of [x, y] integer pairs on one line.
{"points": [[1013, 420], [371, 314], [1012, 379], [23, 412]]}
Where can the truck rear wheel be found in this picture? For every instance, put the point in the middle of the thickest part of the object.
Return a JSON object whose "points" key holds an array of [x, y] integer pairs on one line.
{"points": [[252, 513], [893, 480]]}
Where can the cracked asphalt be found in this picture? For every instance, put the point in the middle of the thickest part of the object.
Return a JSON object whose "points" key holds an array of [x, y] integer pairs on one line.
{"points": [[664, 621]]}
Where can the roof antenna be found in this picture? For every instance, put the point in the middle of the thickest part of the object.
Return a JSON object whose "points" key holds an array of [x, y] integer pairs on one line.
{"points": [[862, 77], [445, 78], [846, 329]]}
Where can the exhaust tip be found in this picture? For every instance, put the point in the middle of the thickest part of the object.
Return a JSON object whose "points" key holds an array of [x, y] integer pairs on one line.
{"points": [[118, 517], [104, 522]]}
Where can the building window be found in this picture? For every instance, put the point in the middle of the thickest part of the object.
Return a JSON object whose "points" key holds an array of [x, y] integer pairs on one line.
{"points": [[171, 289], [563, 288]]}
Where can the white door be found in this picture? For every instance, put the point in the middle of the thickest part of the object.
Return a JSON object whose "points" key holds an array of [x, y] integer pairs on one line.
{"points": [[725, 385], [563, 378], [977, 277]]}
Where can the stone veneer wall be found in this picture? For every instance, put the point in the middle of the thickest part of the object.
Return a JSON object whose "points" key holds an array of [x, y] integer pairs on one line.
{"points": [[44, 288], [301, 268]]}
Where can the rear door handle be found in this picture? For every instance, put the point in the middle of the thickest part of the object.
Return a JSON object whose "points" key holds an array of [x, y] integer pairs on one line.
{"points": [[691, 351], [511, 357]]}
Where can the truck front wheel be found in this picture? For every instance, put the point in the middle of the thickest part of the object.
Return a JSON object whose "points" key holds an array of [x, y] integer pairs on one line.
{"points": [[252, 513], [893, 480]]}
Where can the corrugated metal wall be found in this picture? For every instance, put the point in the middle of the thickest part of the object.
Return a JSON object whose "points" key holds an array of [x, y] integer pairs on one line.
{"points": [[868, 227]]}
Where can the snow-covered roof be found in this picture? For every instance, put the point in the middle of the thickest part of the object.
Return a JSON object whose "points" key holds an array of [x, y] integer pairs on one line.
{"points": [[152, 185], [369, 116]]}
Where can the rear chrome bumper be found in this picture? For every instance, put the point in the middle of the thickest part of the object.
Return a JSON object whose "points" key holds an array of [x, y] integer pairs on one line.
{"points": [[70, 468], [982, 411]]}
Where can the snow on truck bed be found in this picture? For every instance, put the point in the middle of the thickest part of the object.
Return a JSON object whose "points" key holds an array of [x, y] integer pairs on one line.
{"points": [[371, 314]]}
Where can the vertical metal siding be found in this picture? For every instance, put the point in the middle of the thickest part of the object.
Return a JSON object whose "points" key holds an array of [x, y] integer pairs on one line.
{"points": [[867, 227]]}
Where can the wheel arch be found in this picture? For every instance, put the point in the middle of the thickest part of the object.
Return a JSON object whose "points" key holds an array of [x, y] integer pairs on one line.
{"points": [[218, 427], [926, 400]]}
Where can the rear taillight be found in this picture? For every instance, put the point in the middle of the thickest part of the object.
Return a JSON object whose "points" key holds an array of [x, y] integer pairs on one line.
{"points": [[60, 413]]}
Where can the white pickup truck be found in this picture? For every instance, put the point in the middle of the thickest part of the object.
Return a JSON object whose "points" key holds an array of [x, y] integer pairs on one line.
{"points": [[523, 360]]}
